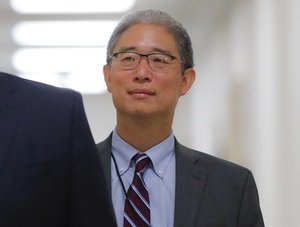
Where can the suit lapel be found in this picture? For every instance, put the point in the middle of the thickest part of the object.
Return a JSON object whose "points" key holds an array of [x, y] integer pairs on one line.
{"points": [[104, 152], [8, 118], [191, 176]]}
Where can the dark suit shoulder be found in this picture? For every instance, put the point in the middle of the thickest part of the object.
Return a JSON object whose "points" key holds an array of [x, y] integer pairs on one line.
{"points": [[214, 165], [15, 82], [39, 96]]}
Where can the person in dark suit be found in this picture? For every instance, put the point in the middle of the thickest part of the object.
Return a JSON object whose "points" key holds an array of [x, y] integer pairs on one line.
{"points": [[149, 67], [50, 174]]}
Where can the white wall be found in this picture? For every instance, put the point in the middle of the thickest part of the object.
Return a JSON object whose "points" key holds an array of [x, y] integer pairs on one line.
{"points": [[246, 105]]}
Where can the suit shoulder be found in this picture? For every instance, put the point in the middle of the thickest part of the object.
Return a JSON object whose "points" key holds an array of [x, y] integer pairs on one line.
{"points": [[33, 90], [36, 97], [215, 164], [46, 88], [16, 82]]}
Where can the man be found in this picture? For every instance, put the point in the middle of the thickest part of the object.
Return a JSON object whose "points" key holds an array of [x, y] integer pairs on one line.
{"points": [[149, 67], [49, 172]]}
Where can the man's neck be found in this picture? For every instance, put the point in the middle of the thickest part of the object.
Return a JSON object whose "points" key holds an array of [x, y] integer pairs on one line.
{"points": [[143, 133]]}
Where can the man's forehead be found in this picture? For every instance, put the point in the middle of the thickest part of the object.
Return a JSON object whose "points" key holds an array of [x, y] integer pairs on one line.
{"points": [[141, 50], [146, 39]]}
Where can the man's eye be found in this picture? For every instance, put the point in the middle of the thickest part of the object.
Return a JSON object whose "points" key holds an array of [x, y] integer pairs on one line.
{"points": [[128, 58], [160, 60]]}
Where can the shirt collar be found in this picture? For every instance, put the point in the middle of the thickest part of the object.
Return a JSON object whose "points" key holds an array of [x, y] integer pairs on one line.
{"points": [[160, 155]]}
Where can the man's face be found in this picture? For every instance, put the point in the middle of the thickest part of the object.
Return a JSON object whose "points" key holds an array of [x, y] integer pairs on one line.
{"points": [[142, 91]]}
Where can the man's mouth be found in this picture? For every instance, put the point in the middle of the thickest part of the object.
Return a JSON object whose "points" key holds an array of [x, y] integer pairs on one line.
{"points": [[141, 93]]}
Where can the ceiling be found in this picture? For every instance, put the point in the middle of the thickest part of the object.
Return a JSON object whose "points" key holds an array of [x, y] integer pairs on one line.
{"points": [[202, 14]]}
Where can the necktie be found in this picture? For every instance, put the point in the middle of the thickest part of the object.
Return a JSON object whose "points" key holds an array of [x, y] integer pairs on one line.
{"points": [[137, 205]]}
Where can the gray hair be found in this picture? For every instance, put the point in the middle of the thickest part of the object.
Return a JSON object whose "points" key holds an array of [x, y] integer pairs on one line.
{"points": [[182, 38]]}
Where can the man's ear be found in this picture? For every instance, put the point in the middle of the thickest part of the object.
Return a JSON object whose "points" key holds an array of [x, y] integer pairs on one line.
{"points": [[187, 80], [106, 72]]}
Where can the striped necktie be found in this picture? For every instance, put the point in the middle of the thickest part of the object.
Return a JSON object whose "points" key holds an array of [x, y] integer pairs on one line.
{"points": [[137, 204]]}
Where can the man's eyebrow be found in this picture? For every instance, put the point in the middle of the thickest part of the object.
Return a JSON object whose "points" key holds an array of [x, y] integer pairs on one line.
{"points": [[163, 51], [130, 48]]}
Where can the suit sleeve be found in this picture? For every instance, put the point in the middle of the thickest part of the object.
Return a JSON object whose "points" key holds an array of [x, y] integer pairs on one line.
{"points": [[89, 197], [250, 212]]}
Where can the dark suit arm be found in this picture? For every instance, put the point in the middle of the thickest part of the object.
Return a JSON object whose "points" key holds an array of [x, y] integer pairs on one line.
{"points": [[250, 212], [89, 197]]}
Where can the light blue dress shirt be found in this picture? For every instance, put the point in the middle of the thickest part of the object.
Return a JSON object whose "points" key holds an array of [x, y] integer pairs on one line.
{"points": [[159, 179]]}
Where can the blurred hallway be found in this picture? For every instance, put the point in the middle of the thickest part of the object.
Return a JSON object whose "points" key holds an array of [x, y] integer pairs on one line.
{"points": [[244, 106]]}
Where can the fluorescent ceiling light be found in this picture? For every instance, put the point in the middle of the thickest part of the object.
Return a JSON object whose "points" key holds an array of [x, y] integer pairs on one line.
{"points": [[63, 33], [71, 6], [76, 68], [59, 60], [85, 83]]}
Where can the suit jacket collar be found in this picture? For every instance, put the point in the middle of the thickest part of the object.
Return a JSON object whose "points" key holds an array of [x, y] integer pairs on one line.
{"points": [[8, 116], [191, 176], [104, 151]]}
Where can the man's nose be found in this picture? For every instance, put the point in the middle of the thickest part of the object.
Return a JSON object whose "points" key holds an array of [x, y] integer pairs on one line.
{"points": [[143, 71]]}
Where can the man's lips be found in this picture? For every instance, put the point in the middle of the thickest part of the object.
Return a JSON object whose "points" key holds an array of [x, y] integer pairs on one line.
{"points": [[141, 92]]}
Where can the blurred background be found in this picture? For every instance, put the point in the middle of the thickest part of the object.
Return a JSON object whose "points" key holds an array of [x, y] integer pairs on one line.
{"points": [[243, 107]]}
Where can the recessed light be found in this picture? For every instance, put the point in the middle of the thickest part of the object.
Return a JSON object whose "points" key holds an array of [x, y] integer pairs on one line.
{"points": [[63, 33], [70, 6]]}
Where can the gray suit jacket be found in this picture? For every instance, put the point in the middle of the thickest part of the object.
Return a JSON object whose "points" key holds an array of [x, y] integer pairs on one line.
{"points": [[210, 192]]}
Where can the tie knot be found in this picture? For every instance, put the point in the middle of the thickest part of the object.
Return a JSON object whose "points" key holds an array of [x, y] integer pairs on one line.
{"points": [[141, 162]]}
